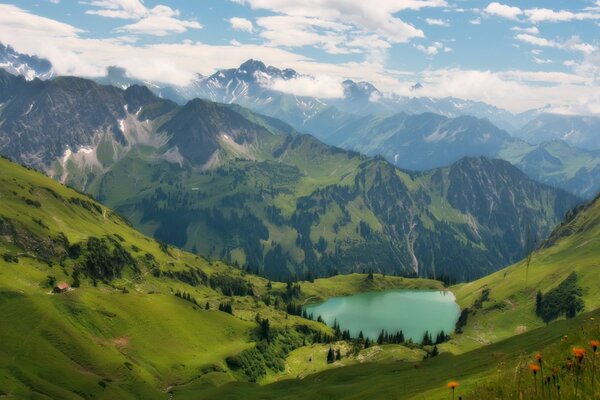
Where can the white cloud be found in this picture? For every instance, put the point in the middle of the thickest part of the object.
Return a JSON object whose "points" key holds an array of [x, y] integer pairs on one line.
{"points": [[573, 44], [241, 24], [537, 15], [532, 30], [475, 21], [432, 49], [377, 19], [72, 52], [437, 22], [503, 10], [296, 31], [322, 86], [513, 90], [160, 20], [536, 41], [538, 60]]}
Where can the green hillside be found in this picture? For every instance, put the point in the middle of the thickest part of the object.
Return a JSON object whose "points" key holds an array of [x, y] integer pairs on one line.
{"points": [[122, 331], [491, 358], [510, 309]]}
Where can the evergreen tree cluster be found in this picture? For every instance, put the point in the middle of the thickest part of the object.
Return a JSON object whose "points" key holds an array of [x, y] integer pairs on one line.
{"points": [[267, 355], [230, 285], [102, 263], [565, 299], [462, 320], [441, 337], [186, 296], [191, 276], [390, 338]]}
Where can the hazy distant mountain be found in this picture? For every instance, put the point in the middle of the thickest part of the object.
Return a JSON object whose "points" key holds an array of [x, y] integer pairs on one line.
{"points": [[579, 131], [425, 141]]}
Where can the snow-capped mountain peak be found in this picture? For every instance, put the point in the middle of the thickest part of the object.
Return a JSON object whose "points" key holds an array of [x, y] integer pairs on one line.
{"points": [[30, 67]]}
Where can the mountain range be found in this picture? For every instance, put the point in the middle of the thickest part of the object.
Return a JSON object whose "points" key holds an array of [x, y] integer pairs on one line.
{"points": [[225, 182], [399, 128], [404, 128]]}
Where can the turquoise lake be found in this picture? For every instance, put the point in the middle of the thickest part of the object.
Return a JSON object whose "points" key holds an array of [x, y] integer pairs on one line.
{"points": [[412, 311]]}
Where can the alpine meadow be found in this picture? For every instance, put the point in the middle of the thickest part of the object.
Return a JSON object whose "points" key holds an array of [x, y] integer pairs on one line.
{"points": [[284, 199]]}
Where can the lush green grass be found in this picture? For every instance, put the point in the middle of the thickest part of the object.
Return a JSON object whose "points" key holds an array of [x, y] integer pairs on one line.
{"points": [[511, 308], [345, 285], [130, 337], [408, 380]]}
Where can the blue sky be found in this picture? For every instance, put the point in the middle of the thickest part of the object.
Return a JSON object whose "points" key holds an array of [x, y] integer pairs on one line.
{"points": [[516, 55]]}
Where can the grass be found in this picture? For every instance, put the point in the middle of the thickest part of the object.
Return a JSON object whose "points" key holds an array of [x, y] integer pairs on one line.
{"points": [[474, 370], [133, 338], [345, 285], [129, 338], [511, 308]]}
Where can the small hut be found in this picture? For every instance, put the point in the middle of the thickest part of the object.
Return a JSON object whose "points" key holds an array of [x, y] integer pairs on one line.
{"points": [[61, 287]]}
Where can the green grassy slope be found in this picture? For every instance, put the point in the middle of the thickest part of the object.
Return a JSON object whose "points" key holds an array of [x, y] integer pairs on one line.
{"points": [[126, 336], [572, 247], [477, 371]]}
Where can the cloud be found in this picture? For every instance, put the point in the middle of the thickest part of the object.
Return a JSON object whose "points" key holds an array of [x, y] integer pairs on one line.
{"points": [[432, 49], [321, 87], [536, 41], [241, 24], [437, 22], [503, 10], [73, 52], [532, 30], [296, 31], [475, 21], [160, 20], [379, 19], [537, 15], [538, 60], [573, 44], [513, 90]]}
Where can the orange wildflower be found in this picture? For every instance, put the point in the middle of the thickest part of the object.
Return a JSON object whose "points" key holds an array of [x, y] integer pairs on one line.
{"points": [[538, 357], [534, 368], [579, 353], [453, 385], [594, 344]]}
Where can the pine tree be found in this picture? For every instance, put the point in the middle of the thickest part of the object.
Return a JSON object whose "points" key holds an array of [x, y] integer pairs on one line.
{"points": [[539, 298], [426, 339], [338, 354], [380, 338], [330, 356]]}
